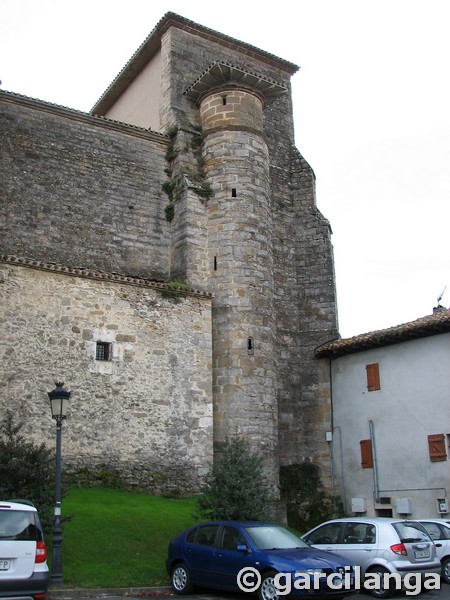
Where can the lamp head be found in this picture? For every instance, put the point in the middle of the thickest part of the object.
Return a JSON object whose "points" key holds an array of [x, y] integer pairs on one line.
{"points": [[59, 401]]}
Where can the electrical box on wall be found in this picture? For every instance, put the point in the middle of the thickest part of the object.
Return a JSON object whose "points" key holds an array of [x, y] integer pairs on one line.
{"points": [[403, 506], [442, 506], [359, 505]]}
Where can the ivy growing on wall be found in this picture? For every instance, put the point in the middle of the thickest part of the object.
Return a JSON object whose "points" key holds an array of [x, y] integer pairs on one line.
{"points": [[196, 175], [201, 187], [168, 186], [306, 500]]}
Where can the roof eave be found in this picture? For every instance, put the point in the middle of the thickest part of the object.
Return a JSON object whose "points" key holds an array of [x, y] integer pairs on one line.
{"points": [[422, 328]]}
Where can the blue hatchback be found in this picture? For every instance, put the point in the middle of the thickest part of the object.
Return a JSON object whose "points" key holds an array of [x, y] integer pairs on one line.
{"points": [[255, 557]]}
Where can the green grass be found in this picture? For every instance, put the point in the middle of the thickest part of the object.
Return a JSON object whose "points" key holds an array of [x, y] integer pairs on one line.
{"points": [[119, 539]]}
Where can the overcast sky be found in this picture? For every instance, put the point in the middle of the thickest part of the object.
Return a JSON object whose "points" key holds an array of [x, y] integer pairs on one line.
{"points": [[371, 109]]}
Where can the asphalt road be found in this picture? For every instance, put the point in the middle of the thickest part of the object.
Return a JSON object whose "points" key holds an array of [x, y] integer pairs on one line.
{"points": [[442, 594]]}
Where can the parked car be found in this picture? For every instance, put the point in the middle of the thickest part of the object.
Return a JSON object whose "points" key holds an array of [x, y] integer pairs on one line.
{"points": [[212, 555], [439, 531], [378, 545], [23, 555]]}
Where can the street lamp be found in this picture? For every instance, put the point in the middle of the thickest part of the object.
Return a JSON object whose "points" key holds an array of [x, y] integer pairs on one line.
{"points": [[59, 401]]}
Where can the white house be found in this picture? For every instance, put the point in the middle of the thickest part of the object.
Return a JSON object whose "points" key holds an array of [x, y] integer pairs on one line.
{"points": [[390, 440]]}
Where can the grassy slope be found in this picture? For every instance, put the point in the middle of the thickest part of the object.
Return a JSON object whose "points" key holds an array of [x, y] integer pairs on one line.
{"points": [[119, 539]]}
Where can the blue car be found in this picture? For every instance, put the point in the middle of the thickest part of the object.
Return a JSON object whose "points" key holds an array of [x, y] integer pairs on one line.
{"points": [[255, 557]]}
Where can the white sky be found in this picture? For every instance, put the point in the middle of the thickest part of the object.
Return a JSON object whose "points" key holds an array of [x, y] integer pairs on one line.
{"points": [[371, 109]]}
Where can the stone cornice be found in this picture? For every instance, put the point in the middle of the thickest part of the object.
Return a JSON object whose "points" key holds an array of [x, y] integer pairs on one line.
{"points": [[222, 75]]}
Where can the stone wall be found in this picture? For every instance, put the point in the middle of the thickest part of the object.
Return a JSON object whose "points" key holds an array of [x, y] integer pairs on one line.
{"points": [[148, 410], [82, 191], [85, 191]]}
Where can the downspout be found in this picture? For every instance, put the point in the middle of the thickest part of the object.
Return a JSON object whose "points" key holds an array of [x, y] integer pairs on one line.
{"points": [[376, 492]]}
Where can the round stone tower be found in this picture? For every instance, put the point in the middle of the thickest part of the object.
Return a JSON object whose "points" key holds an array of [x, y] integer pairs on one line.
{"points": [[236, 164]]}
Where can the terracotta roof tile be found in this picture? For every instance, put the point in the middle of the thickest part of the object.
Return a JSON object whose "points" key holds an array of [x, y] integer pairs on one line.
{"points": [[102, 275], [438, 322]]}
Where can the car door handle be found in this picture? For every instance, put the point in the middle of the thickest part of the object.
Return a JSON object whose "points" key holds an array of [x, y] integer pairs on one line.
{"points": [[219, 555]]}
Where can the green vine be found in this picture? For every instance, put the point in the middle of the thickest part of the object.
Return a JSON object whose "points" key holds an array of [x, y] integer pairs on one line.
{"points": [[168, 186], [197, 179], [307, 501], [201, 187]]}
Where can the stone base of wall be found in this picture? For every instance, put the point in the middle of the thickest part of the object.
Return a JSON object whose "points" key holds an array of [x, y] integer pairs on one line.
{"points": [[158, 480]]}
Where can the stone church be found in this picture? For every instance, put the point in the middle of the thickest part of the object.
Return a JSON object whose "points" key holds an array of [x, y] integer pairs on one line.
{"points": [[163, 255]]}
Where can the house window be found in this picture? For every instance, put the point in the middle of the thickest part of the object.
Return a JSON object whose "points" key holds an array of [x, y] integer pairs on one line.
{"points": [[366, 454], [103, 351], [436, 447], [373, 377]]}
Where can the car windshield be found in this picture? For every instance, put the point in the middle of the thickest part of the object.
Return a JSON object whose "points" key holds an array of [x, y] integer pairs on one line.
{"points": [[273, 537]]}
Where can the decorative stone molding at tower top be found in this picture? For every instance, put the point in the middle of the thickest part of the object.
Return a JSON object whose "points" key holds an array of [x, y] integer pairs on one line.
{"points": [[221, 74], [229, 96]]}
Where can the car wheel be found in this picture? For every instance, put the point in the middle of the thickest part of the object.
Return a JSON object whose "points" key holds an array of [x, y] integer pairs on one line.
{"points": [[383, 591], [181, 580], [267, 589], [446, 569]]}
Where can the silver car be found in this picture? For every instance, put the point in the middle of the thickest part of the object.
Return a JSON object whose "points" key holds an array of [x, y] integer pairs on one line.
{"points": [[439, 531], [379, 546]]}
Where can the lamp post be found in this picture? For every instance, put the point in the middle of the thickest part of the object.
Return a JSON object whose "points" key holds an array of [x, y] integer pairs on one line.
{"points": [[59, 401]]}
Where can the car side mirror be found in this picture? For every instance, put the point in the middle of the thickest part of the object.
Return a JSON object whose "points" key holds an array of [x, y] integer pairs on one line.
{"points": [[438, 544], [242, 548]]}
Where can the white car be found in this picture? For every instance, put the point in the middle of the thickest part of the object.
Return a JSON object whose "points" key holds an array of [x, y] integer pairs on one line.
{"points": [[439, 531], [23, 555]]}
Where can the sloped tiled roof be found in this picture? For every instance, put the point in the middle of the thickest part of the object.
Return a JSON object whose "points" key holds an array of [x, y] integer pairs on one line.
{"points": [[438, 322], [152, 44], [88, 273]]}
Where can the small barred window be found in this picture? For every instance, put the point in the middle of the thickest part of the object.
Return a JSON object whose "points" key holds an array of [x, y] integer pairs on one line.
{"points": [[103, 351]]}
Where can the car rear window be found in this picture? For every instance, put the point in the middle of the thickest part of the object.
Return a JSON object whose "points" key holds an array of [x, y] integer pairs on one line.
{"points": [[18, 525], [411, 532]]}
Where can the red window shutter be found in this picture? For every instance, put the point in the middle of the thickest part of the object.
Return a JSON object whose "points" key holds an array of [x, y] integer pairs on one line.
{"points": [[366, 454], [436, 447], [373, 377]]}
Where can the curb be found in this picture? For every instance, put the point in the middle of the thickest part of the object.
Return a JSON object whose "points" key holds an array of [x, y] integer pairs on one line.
{"points": [[67, 594]]}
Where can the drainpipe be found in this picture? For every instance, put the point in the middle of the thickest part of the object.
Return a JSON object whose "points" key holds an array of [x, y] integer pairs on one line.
{"points": [[376, 492]]}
